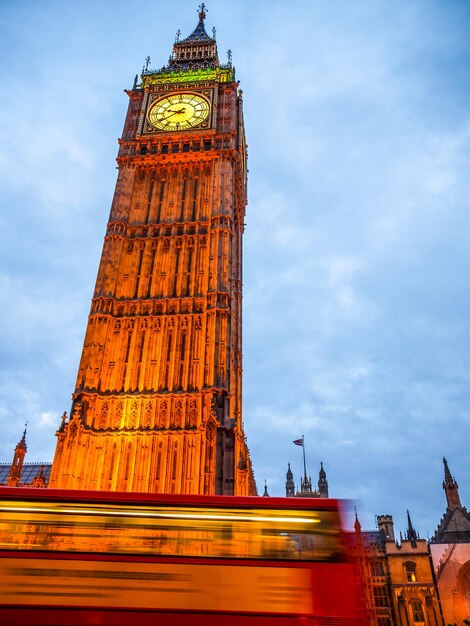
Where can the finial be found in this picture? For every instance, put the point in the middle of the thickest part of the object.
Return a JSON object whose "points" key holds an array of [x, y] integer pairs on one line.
{"points": [[178, 35], [213, 32], [229, 57], [147, 62], [202, 12], [135, 81]]}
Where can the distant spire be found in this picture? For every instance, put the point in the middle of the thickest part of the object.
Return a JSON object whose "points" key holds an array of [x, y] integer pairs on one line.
{"points": [[289, 473], [447, 475], [357, 523], [22, 443], [411, 532], [265, 494], [322, 482], [290, 485], [451, 488], [16, 468]]}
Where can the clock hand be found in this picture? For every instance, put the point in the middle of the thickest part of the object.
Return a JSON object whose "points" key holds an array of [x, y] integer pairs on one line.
{"points": [[174, 112]]}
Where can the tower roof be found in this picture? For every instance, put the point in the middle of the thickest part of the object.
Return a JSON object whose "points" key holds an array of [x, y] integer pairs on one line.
{"points": [[199, 34], [197, 49]]}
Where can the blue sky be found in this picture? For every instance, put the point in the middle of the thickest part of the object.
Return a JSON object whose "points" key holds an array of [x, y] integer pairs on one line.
{"points": [[357, 263]]}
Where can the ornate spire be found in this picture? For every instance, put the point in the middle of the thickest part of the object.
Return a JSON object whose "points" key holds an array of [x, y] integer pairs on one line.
{"points": [[199, 34], [197, 50], [447, 475], [451, 488], [357, 523], [16, 468], [411, 532], [265, 494], [22, 443]]}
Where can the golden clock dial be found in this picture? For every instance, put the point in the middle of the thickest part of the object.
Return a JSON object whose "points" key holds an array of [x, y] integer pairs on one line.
{"points": [[179, 111]]}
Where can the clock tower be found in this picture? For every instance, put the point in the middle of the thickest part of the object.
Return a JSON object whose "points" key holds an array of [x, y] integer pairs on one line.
{"points": [[157, 405]]}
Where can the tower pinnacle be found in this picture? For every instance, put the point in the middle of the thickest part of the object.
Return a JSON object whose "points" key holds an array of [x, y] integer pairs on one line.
{"points": [[411, 532], [451, 488]]}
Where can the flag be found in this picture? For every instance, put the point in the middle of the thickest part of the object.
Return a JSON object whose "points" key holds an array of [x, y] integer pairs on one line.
{"points": [[298, 442]]}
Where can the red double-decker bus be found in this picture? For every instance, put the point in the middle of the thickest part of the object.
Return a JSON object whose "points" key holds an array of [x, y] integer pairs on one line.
{"points": [[71, 558]]}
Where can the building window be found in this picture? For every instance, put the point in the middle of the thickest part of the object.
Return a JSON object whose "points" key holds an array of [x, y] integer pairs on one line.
{"points": [[417, 608], [377, 568], [380, 597], [410, 571]]}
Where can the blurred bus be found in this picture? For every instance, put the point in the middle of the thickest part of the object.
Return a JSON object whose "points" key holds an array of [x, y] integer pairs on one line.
{"points": [[72, 558]]}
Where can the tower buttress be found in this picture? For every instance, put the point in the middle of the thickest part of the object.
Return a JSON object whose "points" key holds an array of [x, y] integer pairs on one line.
{"points": [[14, 475], [451, 488]]}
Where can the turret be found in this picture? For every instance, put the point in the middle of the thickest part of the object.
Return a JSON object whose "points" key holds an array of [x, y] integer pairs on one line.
{"points": [[385, 524], [18, 459], [290, 485], [322, 483]]}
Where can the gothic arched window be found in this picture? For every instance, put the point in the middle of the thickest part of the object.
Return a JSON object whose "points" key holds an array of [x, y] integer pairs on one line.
{"points": [[417, 609], [410, 571]]}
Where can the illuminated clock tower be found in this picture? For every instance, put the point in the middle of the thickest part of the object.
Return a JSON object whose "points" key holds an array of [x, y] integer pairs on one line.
{"points": [[157, 404]]}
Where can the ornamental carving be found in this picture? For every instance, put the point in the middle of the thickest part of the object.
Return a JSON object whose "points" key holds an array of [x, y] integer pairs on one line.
{"points": [[133, 414], [162, 414], [104, 415], [118, 415], [178, 413], [148, 414], [192, 414]]}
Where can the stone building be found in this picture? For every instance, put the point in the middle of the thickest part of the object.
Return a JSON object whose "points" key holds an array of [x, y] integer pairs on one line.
{"points": [[398, 580], [450, 549], [157, 404]]}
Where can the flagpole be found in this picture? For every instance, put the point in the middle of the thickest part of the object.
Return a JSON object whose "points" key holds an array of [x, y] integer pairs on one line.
{"points": [[305, 465]]}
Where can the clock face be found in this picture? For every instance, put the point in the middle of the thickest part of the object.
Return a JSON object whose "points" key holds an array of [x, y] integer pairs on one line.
{"points": [[179, 111]]}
